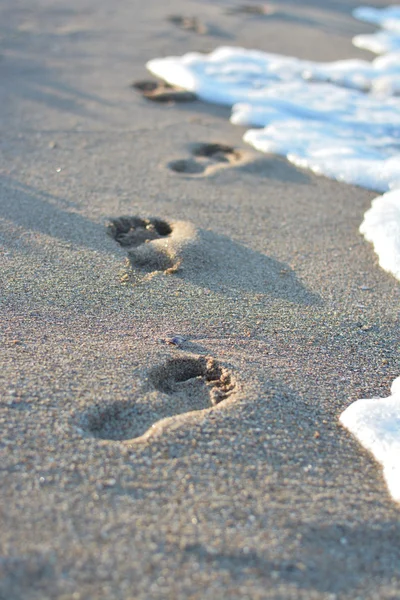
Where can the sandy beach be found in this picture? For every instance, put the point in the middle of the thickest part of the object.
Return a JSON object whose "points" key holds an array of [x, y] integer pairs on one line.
{"points": [[261, 315]]}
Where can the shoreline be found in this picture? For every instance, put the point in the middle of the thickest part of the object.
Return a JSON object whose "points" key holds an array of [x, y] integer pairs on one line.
{"points": [[264, 496]]}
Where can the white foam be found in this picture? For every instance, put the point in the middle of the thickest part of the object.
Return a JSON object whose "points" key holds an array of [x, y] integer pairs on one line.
{"points": [[381, 76], [228, 74], [383, 41], [339, 132], [328, 150], [376, 425], [316, 114], [381, 226], [339, 119], [388, 17]]}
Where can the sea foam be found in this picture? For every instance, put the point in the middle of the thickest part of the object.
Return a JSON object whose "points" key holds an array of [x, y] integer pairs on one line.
{"points": [[376, 424], [339, 119], [381, 226], [382, 41]]}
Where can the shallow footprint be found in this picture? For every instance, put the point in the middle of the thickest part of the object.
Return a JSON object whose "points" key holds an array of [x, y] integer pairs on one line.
{"points": [[189, 166], [206, 159], [251, 9], [178, 386], [217, 152], [159, 91], [188, 24]]}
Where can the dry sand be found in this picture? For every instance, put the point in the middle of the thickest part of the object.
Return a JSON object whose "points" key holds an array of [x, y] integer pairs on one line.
{"points": [[285, 314]]}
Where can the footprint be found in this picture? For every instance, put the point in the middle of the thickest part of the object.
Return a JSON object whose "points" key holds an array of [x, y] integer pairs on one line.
{"points": [[207, 158], [153, 244], [184, 374], [209, 260], [188, 24], [252, 9], [145, 241], [178, 386], [217, 152], [189, 166], [159, 91], [133, 231]]}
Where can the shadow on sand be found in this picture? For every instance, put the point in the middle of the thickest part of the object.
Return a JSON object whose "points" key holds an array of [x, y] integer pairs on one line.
{"points": [[35, 210]]}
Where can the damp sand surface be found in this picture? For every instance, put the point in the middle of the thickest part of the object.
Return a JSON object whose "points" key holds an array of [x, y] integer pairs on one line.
{"points": [[169, 404]]}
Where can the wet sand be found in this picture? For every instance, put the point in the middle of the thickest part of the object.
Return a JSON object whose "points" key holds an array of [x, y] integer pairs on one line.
{"points": [[251, 489]]}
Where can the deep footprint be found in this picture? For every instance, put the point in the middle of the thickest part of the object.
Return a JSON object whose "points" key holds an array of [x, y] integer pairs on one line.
{"points": [[136, 234], [168, 378], [158, 91], [133, 231], [217, 152], [186, 384]]}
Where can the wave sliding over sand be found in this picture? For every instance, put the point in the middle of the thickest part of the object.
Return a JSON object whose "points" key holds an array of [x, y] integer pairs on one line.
{"points": [[376, 424], [339, 119]]}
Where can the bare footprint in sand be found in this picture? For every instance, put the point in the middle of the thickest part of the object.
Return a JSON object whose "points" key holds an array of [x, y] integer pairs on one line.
{"points": [[252, 9], [208, 260], [207, 158], [188, 24], [178, 386], [159, 91], [152, 244]]}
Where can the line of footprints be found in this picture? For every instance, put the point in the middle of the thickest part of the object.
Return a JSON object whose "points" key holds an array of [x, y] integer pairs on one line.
{"points": [[182, 384], [205, 158], [185, 383]]}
